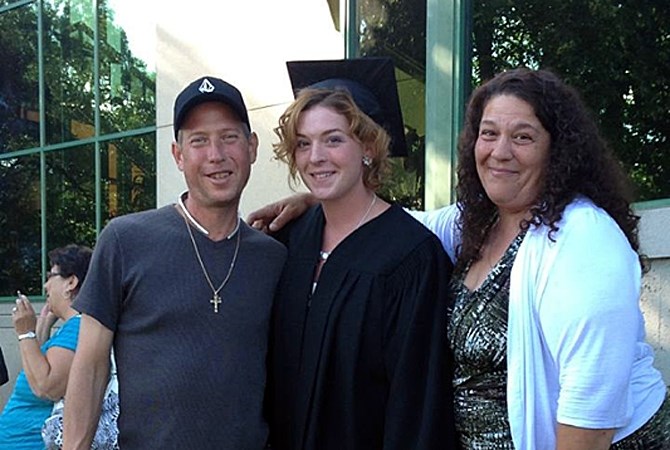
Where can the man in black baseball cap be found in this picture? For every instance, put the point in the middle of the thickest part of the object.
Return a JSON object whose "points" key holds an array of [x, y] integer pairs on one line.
{"points": [[183, 279]]}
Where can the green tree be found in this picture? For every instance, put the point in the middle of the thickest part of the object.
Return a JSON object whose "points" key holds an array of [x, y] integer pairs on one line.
{"points": [[617, 54], [126, 101]]}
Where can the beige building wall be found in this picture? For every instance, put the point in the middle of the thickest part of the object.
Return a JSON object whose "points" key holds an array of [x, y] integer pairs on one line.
{"points": [[655, 243]]}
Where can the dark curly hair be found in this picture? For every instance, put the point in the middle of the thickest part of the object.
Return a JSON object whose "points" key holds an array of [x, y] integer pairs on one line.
{"points": [[580, 161], [72, 259]]}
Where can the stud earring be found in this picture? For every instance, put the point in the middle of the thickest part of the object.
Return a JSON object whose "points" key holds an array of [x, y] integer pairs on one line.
{"points": [[367, 161]]}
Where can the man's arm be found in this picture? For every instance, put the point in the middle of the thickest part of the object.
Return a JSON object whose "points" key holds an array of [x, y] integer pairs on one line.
{"points": [[86, 385], [275, 216]]}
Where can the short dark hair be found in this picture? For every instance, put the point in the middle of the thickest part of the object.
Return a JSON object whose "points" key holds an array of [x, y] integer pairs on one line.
{"points": [[72, 259]]}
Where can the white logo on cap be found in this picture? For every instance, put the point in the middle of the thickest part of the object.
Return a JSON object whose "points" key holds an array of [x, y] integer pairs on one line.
{"points": [[206, 86]]}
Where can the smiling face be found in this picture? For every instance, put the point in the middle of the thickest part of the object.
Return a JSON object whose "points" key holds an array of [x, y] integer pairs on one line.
{"points": [[511, 153], [215, 155], [327, 156]]}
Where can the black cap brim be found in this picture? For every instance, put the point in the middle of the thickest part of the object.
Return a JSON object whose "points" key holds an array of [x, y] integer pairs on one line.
{"points": [[370, 81]]}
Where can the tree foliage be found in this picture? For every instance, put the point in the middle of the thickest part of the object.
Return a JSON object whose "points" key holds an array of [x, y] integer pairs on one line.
{"points": [[60, 183], [617, 54]]}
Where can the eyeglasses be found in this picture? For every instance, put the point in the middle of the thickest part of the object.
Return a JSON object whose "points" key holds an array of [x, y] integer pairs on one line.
{"points": [[54, 274]]}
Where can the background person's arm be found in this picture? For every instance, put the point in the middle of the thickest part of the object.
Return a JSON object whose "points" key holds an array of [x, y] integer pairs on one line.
{"points": [[46, 373], [86, 386], [45, 323]]}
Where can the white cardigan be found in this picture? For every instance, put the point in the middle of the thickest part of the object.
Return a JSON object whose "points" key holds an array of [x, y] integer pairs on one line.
{"points": [[575, 345]]}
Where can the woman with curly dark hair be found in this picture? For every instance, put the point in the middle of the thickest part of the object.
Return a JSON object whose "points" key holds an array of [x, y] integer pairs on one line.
{"points": [[546, 328]]}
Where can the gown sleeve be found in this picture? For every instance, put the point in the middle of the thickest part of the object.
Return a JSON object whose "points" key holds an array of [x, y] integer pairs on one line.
{"points": [[419, 414]]}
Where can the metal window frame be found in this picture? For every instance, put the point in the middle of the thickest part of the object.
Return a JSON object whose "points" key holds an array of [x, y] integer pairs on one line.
{"points": [[447, 75], [97, 139]]}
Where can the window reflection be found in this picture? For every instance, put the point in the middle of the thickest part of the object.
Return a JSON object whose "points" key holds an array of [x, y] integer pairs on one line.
{"points": [[129, 175], [19, 93], [70, 196], [20, 212], [127, 73], [126, 93], [397, 29], [615, 53], [68, 70]]}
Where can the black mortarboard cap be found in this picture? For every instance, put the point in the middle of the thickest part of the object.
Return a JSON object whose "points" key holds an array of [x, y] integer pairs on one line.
{"points": [[208, 89], [370, 81]]}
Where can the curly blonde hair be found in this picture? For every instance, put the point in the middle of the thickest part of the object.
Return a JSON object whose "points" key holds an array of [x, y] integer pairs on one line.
{"points": [[361, 127]]}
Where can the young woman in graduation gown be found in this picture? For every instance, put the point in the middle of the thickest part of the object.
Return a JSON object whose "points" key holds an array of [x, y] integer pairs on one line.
{"points": [[359, 356]]}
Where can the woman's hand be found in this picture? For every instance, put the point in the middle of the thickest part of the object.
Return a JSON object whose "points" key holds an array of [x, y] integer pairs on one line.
{"points": [[46, 373], [45, 322], [23, 315], [275, 216]]}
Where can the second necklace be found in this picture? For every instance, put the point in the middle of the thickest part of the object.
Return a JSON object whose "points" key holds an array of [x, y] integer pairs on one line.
{"points": [[323, 255]]}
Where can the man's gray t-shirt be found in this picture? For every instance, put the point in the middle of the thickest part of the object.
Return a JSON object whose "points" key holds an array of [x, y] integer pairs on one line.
{"points": [[188, 377]]}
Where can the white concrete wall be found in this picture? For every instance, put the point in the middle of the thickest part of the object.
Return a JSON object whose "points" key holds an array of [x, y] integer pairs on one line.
{"points": [[655, 243]]}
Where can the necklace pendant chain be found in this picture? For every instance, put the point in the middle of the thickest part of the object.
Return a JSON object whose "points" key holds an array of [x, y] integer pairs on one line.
{"points": [[216, 298], [367, 212], [323, 255]]}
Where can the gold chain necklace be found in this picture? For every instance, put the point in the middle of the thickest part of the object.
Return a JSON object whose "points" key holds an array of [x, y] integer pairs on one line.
{"points": [[216, 298]]}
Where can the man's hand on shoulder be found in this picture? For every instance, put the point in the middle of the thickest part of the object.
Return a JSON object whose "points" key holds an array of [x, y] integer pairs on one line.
{"points": [[273, 217]]}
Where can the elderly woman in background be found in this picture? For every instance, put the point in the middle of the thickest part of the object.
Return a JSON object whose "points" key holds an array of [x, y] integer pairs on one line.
{"points": [[46, 360], [546, 328]]}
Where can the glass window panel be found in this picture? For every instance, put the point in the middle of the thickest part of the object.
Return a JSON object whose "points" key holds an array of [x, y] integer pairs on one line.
{"points": [[68, 70], [7, 2], [397, 29], [127, 68], [19, 89], [20, 213], [617, 54], [70, 196], [128, 175]]}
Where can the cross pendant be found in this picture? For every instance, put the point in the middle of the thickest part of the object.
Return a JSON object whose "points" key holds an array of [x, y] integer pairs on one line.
{"points": [[216, 301]]}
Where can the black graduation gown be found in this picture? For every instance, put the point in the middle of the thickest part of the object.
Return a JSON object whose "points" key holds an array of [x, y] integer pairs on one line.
{"points": [[363, 362]]}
